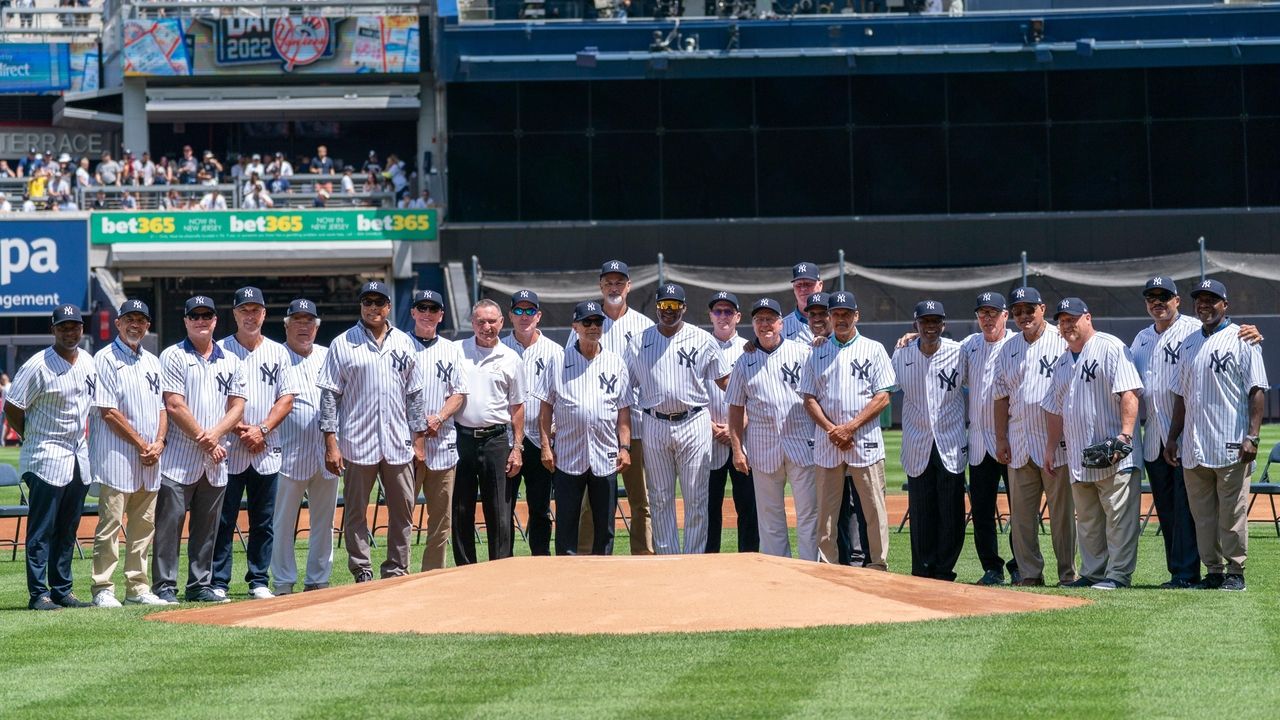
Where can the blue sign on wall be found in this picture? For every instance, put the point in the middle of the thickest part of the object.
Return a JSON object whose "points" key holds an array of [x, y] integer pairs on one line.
{"points": [[31, 67], [43, 263]]}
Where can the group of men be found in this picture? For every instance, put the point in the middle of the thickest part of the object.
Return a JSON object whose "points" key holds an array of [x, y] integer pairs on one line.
{"points": [[1053, 410]]}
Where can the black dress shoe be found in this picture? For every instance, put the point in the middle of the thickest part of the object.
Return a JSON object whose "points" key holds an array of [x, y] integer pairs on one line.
{"points": [[71, 601], [364, 576], [1212, 581], [992, 577], [44, 602], [1177, 584], [1080, 582]]}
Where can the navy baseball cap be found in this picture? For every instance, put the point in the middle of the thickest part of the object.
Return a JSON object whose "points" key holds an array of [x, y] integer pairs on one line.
{"points": [[615, 266], [1210, 287], [528, 296], [725, 296], [818, 299], [670, 291], [302, 306], [842, 300], [67, 313], [766, 304], [246, 295], [587, 309], [1071, 306], [1161, 282], [427, 296], [804, 271], [991, 300], [134, 306], [374, 287], [197, 302], [1026, 295], [926, 308]]}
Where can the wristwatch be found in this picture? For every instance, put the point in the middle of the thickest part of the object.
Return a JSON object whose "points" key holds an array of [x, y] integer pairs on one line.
{"points": [[1255, 439], [263, 430]]}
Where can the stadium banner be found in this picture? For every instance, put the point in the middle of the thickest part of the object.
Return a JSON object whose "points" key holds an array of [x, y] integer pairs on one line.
{"points": [[244, 45], [16, 140], [43, 263], [370, 224], [34, 67]]}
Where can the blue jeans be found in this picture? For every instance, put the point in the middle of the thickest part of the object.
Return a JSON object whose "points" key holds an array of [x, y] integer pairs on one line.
{"points": [[261, 490], [52, 523]]}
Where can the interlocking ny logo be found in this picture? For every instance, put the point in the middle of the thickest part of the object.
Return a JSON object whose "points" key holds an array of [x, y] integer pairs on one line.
{"points": [[524, 293], [246, 293], [271, 375], [1158, 282], [1046, 366], [1064, 304], [136, 304], [948, 382], [608, 384], [1206, 284], [153, 380], [930, 305], [840, 297], [538, 366], [628, 337], [671, 288], [443, 371], [304, 305], [224, 382], [615, 265], [687, 356], [591, 307], [400, 359], [986, 297], [802, 268], [722, 295], [1172, 354], [1221, 362], [1089, 371], [91, 385], [791, 373], [861, 370], [1019, 293]]}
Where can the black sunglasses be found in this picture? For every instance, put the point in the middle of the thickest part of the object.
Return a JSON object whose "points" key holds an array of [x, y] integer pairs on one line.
{"points": [[373, 301], [427, 307], [201, 316], [592, 322]]}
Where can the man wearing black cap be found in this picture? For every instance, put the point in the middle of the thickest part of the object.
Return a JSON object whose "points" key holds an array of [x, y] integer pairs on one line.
{"points": [[443, 394], [374, 422], [48, 405], [537, 352], [126, 436], [805, 281], [724, 314], [672, 364], [1221, 393]]}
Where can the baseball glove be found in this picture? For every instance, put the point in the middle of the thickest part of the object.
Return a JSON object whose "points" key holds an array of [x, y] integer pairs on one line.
{"points": [[1106, 453]]}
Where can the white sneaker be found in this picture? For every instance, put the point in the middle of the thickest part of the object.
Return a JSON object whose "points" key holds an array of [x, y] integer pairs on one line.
{"points": [[106, 599], [146, 598], [222, 594], [260, 593]]}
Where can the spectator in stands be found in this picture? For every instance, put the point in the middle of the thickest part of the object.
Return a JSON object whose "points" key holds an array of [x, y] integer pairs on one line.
{"points": [[164, 171], [25, 18], [64, 164], [28, 205], [128, 201], [5, 170], [213, 200], [108, 171], [173, 201], [84, 177], [322, 198], [372, 182], [100, 201], [145, 170], [423, 201], [5, 206], [371, 165], [188, 167], [128, 173], [65, 203], [348, 185], [396, 176], [210, 169], [27, 165], [60, 188], [322, 164], [279, 183], [38, 185], [257, 198], [280, 164], [239, 172], [256, 167]]}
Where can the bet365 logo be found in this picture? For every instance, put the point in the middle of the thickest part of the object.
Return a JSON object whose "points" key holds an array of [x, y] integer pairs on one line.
{"points": [[393, 222], [266, 224]]}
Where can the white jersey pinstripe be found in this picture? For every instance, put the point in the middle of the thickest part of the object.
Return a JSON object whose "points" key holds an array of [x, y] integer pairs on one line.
{"points": [[1024, 374], [1086, 393], [617, 338], [673, 372], [205, 385], [933, 406], [766, 385], [301, 442], [719, 406], [795, 326], [444, 366], [1156, 356], [1214, 378], [980, 356], [585, 397], [373, 385], [55, 396], [536, 358], [129, 382], [268, 376], [843, 379]]}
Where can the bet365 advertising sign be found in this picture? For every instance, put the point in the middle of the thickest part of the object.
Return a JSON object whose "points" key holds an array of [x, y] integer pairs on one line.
{"points": [[43, 263], [262, 226]]}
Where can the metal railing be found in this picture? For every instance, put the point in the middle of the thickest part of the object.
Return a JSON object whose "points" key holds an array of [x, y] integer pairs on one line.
{"points": [[74, 23], [272, 8], [188, 197]]}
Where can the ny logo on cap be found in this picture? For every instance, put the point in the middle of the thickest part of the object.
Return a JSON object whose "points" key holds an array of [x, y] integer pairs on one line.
{"points": [[137, 304], [1065, 304], [1157, 281], [591, 306], [1019, 293], [614, 265], [802, 267], [67, 311], [373, 285], [304, 304], [986, 297], [671, 288], [200, 299], [930, 305], [524, 293], [722, 294], [762, 302], [1206, 283], [840, 297], [247, 293]]}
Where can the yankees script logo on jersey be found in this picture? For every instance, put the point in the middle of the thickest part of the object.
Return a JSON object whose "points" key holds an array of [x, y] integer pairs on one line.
{"points": [[777, 425], [266, 382], [1157, 355], [300, 436], [448, 380], [673, 372], [932, 406], [829, 376], [55, 396], [980, 358], [206, 386], [585, 397], [129, 382], [1024, 374], [1214, 379], [1089, 400], [536, 359]]}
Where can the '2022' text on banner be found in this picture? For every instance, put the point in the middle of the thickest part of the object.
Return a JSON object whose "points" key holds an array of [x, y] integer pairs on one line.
{"points": [[43, 263], [106, 228]]}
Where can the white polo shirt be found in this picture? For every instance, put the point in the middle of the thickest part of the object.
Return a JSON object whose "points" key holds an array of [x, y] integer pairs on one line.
{"points": [[129, 382], [206, 385], [55, 396], [495, 383]]}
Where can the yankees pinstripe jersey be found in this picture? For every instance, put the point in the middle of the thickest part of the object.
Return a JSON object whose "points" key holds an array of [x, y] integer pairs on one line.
{"points": [[444, 366], [719, 406], [980, 357], [795, 326], [932, 406], [673, 372], [1157, 356], [536, 359], [585, 397], [55, 395], [495, 382], [766, 384], [843, 379], [1024, 374], [129, 382], [374, 386], [268, 376], [206, 385], [1086, 393], [1214, 378], [617, 338], [301, 442]]}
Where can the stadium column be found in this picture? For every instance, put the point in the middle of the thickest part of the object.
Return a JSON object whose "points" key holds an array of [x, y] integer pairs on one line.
{"points": [[431, 128], [134, 111]]}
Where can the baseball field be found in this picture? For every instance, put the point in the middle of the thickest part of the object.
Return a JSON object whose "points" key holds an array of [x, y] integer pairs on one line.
{"points": [[1132, 652]]}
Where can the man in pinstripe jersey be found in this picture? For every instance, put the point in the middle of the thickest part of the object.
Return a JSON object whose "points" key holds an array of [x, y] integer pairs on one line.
{"points": [[805, 282], [724, 315]]}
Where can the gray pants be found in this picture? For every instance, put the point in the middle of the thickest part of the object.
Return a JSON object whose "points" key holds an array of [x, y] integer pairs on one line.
{"points": [[322, 494], [397, 485], [1107, 526], [173, 501]]}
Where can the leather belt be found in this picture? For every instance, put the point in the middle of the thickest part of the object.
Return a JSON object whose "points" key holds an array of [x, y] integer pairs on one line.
{"points": [[673, 417], [481, 433]]}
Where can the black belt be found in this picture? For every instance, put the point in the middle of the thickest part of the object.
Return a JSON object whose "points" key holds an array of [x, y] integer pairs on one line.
{"points": [[673, 417], [481, 433]]}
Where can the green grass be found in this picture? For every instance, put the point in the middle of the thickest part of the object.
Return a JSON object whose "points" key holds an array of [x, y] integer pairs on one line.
{"points": [[1134, 652]]}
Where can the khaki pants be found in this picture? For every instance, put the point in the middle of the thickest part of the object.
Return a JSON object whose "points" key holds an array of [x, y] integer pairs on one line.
{"points": [[1026, 486], [140, 510], [437, 487], [1219, 499], [397, 485], [637, 500], [869, 484], [1107, 524]]}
